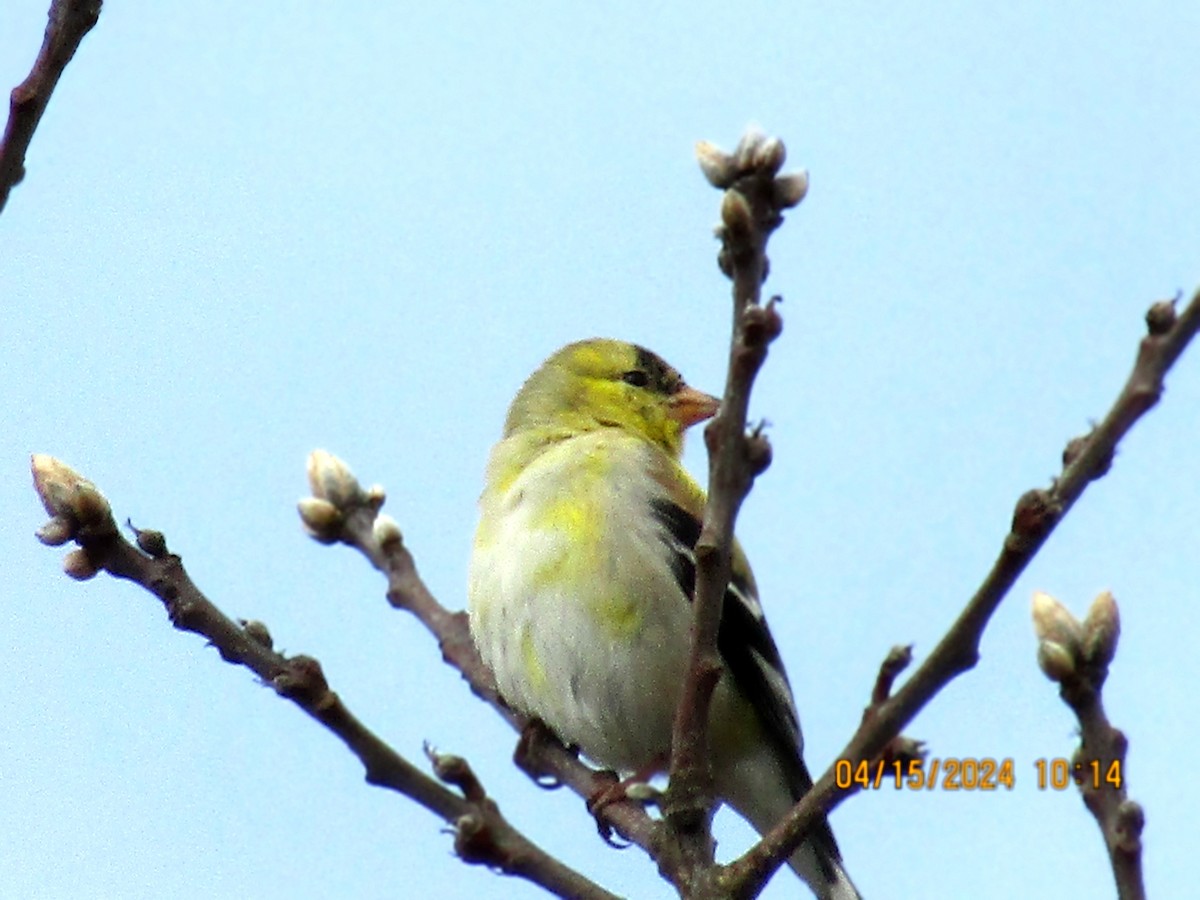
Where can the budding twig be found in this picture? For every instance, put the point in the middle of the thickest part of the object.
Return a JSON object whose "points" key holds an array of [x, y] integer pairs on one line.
{"points": [[751, 209]]}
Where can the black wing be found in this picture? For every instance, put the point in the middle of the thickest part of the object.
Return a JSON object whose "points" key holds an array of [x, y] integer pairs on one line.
{"points": [[748, 651]]}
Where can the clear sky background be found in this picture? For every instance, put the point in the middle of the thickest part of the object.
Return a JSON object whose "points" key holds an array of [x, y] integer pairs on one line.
{"points": [[249, 230]]}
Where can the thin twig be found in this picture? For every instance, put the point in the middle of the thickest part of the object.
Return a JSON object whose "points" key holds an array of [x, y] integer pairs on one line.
{"points": [[750, 211], [69, 21], [1103, 784]]}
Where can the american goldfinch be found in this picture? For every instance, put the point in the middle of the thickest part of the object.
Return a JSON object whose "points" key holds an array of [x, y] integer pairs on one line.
{"points": [[581, 580]]}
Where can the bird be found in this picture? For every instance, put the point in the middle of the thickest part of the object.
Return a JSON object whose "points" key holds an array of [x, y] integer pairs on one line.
{"points": [[580, 584]]}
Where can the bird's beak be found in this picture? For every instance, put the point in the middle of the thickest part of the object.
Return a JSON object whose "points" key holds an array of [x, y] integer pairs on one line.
{"points": [[689, 406]]}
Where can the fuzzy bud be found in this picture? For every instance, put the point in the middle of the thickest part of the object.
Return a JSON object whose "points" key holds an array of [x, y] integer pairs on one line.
{"points": [[66, 493], [747, 148], [331, 479], [788, 190], [54, 482], [321, 519], [736, 214], [56, 532], [78, 564], [386, 531], [1055, 661], [1101, 629], [769, 156], [1053, 622], [91, 507], [376, 496], [717, 165]]}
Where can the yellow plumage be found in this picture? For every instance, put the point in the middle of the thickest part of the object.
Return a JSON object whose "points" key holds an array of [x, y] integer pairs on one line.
{"points": [[581, 579]]}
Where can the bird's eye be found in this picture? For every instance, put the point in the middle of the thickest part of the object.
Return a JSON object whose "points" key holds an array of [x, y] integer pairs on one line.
{"points": [[636, 377]]}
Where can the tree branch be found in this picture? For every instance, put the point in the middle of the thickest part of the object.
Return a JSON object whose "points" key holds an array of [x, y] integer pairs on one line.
{"points": [[1037, 514], [69, 21], [80, 513], [751, 209], [341, 511]]}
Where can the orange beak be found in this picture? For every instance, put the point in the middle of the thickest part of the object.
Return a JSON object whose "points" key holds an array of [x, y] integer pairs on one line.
{"points": [[689, 406]]}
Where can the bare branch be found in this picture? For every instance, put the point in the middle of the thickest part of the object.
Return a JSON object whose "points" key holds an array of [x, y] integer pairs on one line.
{"points": [[1037, 513], [79, 512], [69, 21]]}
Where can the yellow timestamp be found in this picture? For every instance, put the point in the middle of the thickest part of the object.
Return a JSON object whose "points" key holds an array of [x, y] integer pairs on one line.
{"points": [[950, 774], [1058, 774]]}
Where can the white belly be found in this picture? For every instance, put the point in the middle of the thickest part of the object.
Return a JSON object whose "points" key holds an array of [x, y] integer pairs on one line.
{"points": [[573, 604]]}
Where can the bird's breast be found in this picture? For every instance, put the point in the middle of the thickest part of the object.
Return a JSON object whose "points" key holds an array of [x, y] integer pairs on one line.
{"points": [[573, 602]]}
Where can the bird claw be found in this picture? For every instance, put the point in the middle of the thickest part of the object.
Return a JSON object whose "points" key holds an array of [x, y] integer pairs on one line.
{"points": [[609, 790], [528, 755]]}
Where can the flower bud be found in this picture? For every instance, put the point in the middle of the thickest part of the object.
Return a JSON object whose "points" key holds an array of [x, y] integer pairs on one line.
{"points": [[747, 148], [386, 530], [78, 564], [788, 190], [1101, 629], [717, 165], [1055, 661], [331, 479], [769, 156], [321, 519], [56, 532], [91, 508], [65, 492], [1053, 622], [736, 214], [376, 496], [53, 481]]}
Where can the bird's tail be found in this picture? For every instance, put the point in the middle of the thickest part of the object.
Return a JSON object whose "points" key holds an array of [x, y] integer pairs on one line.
{"points": [[821, 867], [762, 794]]}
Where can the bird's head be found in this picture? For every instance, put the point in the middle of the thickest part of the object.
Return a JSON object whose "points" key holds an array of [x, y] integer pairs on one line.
{"points": [[603, 383]]}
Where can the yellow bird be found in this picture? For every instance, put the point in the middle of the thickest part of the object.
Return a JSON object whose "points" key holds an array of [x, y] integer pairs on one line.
{"points": [[581, 581]]}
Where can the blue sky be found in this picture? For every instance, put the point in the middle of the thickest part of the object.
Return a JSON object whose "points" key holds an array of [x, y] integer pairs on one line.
{"points": [[249, 230]]}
